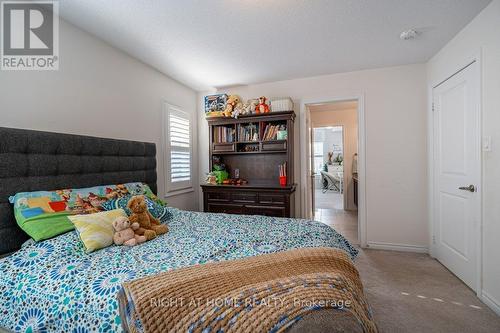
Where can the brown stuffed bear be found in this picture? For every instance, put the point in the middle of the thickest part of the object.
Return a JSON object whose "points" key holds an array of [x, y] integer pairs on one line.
{"points": [[148, 225]]}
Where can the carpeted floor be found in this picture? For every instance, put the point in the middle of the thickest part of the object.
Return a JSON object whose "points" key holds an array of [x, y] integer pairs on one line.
{"points": [[411, 292]]}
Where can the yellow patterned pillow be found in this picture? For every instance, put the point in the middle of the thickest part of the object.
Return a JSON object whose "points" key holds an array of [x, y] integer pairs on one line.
{"points": [[96, 230]]}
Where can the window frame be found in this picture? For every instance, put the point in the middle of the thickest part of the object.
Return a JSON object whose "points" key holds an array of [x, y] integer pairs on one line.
{"points": [[175, 188]]}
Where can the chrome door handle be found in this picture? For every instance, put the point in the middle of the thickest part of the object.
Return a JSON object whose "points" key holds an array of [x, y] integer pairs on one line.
{"points": [[470, 188]]}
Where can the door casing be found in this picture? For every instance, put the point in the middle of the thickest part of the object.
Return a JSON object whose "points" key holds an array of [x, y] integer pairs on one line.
{"points": [[305, 170]]}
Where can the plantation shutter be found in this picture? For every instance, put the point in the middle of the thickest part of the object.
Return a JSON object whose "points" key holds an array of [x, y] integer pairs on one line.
{"points": [[179, 154]]}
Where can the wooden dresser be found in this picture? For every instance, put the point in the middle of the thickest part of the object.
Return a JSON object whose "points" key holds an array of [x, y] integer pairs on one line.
{"points": [[257, 158], [249, 199]]}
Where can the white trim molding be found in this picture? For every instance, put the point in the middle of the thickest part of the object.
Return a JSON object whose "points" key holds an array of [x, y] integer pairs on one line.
{"points": [[491, 302], [397, 247], [304, 141], [174, 189]]}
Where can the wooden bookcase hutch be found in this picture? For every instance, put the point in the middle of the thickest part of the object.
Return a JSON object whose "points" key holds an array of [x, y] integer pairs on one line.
{"points": [[245, 144]]}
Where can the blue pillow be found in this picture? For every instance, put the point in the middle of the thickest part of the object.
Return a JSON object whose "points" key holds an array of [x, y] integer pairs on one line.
{"points": [[158, 211]]}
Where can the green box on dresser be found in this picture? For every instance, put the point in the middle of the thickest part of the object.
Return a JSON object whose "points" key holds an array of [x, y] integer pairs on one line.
{"points": [[250, 144]]}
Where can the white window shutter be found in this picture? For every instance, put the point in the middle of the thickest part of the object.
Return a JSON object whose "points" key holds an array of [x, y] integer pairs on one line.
{"points": [[179, 150]]}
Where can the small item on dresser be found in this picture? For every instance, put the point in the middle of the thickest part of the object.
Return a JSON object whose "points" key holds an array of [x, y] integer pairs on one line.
{"points": [[211, 178], [124, 232], [280, 104], [282, 169], [219, 169], [149, 226], [262, 107], [235, 181]]}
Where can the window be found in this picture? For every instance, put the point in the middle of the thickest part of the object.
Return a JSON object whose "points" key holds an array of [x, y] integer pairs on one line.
{"points": [[318, 156], [178, 152]]}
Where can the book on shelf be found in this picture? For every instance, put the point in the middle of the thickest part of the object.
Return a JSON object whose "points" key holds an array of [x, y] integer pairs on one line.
{"points": [[248, 132], [223, 134], [271, 131]]}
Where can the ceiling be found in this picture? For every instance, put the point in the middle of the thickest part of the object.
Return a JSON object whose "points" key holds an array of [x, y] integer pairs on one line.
{"points": [[218, 43]]}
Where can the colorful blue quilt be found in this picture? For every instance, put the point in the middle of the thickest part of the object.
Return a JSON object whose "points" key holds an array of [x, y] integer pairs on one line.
{"points": [[54, 286]]}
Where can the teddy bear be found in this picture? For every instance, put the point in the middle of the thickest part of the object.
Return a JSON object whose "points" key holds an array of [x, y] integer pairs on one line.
{"points": [[231, 102], [149, 226], [125, 232]]}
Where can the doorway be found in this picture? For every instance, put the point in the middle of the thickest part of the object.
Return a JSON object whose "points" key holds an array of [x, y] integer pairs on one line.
{"points": [[333, 154]]}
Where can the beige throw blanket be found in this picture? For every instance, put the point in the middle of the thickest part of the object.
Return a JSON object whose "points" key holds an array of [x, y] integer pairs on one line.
{"points": [[266, 293]]}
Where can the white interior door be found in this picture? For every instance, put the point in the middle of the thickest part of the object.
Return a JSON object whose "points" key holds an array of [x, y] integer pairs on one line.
{"points": [[457, 172]]}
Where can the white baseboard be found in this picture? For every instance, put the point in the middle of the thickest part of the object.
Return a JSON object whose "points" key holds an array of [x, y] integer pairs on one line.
{"points": [[491, 302], [397, 247]]}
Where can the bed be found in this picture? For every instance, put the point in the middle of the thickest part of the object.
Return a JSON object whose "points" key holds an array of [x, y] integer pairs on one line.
{"points": [[53, 285]]}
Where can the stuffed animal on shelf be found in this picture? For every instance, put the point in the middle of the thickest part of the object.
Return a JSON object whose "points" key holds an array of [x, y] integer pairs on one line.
{"points": [[231, 103], [239, 109], [124, 232], [149, 226], [262, 107], [249, 106]]}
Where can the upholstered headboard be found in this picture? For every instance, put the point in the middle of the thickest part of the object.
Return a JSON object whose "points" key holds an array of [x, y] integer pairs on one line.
{"points": [[35, 161]]}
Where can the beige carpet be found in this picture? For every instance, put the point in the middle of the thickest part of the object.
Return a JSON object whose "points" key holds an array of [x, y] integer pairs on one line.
{"points": [[412, 292]]}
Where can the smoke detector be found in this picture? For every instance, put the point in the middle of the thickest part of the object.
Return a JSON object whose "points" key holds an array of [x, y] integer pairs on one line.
{"points": [[408, 34]]}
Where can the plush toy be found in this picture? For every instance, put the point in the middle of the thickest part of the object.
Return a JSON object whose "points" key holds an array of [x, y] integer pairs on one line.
{"points": [[124, 232], [231, 103], [249, 106], [262, 107], [148, 225], [239, 109]]}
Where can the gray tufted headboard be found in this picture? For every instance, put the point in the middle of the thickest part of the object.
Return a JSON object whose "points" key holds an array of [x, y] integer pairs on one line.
{"points": [[35, 161]]}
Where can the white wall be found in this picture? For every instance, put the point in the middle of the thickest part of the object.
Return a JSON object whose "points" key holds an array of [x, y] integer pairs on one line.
{"points": [[482, 36], [322, 116], [98, 91], [395, 107]]}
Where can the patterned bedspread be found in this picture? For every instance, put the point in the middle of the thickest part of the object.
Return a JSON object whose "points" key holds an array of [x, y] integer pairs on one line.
{"points": [[53, 286]]}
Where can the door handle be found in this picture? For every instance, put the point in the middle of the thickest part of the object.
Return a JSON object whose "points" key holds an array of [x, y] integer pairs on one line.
{"points": [[470, 188]]}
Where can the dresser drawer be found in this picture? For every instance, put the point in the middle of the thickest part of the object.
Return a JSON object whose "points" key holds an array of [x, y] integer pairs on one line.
{"points": [[244, 197], [218, 196], [225, 208], [272, 198], [223, 147], [265, 210], [276, 145]]}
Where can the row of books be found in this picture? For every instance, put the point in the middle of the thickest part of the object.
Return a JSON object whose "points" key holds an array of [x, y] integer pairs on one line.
{"points": [[224, 134], [248, 133], [271, 131]]}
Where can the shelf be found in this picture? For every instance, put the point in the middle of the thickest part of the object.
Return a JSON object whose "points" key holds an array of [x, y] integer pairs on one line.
{"points": [[256, 185], [248, 152], [241, 117], [250, 142]]}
